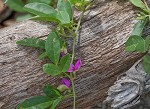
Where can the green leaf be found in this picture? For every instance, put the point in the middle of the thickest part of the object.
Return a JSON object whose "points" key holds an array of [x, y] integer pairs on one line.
{"points": [[132, 42], [76, 2], [16, 5], [41, 1], [41, 9], [139, 26], [63, 17], [42, 56], [32, 42], [143, 46], [147, 42], [137, 43], [51, 92], [65, 63], [146, 63], [24, 17], [65, 5], [138, 3], [38, 102], [52, 47], [51, 19], [52, 69], [55, 103]]}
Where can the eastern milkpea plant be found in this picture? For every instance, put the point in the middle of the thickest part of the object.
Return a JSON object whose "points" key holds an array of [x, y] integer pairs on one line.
{"points": [[61, 62], [137, 42]]}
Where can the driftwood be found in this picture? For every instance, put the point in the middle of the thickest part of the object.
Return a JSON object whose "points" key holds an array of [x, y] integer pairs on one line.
{"points": [[129, 89], [104, 31]]}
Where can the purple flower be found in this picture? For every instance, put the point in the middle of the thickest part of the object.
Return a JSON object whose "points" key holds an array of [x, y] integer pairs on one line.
{"points": [[75, 67], [66, 82]]}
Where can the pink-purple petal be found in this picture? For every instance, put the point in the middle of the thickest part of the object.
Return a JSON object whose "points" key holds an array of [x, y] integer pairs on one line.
{"points": [[66, 82], [78, 64], [71, 68]]}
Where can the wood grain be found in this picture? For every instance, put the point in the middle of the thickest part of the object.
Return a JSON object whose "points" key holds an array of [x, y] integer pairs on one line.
{"points": [[102, 36]]}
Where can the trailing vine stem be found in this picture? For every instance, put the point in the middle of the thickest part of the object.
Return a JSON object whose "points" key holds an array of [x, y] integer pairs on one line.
{"points": [[79, 22], [76, 36], [73, 91], [72, 78]]}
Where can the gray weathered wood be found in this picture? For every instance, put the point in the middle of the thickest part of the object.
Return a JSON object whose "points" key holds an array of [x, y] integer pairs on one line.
{"points": [[130, 89], [101, 48]]}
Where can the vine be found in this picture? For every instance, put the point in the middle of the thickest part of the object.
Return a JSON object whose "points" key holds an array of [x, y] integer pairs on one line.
{"points": [[61, 62], [137, 42]]}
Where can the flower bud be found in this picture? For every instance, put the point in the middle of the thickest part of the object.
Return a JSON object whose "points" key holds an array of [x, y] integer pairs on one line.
{"points": [[62, 88]]}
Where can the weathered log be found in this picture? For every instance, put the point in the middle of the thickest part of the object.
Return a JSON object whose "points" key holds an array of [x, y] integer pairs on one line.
{"points": [[130, 89], [104, 31]]}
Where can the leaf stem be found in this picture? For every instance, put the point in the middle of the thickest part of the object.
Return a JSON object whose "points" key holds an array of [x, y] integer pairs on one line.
{"points": [[67, 96]]}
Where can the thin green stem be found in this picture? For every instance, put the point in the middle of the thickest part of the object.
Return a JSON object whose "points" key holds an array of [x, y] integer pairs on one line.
{"points": [[73, 91], [73, 54], [74, 38], [79, 22], [73, 49], [71, 76], [67, 75]]}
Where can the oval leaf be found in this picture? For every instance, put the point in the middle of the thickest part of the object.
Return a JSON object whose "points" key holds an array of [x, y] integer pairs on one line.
{"points": [[143, 46], [63, 17], [138, 3], [24, 17], [42, 56], [32, 42], [139, 26], [51, 91], [51, 19], [55, 103], [65, 63], [16, 5], [41, 1], [132, 42], [146, 64], [38, 102], [52, 47], [65, 5], [41, 9], [51, 69]]}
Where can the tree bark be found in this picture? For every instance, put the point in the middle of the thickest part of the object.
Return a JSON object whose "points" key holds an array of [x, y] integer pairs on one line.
{"points": [[104, 31]]}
